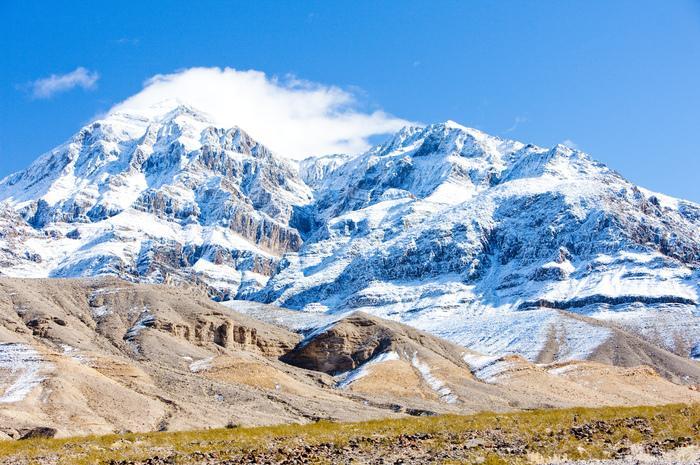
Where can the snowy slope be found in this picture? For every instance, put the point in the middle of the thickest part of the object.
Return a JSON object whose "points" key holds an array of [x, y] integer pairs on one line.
{"points": [[488, 242], [157, 197], [483, 241]]}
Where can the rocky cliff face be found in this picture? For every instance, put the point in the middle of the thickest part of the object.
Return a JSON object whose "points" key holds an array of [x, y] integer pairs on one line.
{"points": [[484, 241]]}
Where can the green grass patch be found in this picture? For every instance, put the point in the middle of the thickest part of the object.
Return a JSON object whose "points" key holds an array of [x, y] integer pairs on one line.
{"points": [[577, 433]]}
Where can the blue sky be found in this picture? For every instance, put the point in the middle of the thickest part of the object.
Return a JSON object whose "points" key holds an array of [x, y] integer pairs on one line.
{"points": [[621, 79]]}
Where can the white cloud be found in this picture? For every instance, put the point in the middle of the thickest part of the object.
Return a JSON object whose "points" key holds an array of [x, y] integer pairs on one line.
{"points": [[571, 144], [295, 118], [56, 83]]}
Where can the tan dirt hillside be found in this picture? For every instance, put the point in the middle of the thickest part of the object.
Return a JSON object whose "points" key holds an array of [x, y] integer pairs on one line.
{"points": [[102, 355], [390, 359]]}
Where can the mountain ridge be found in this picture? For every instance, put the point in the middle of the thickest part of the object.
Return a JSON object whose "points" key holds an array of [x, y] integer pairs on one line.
{"points": [[471, 237]]}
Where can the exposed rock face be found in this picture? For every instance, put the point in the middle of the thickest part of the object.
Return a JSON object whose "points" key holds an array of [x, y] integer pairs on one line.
{"points": [[200, 322], [358, 338], [342, 348], [39, 432]]}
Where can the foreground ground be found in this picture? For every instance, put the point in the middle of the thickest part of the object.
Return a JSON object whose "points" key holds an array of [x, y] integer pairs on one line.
{"points": [[666, 434]]}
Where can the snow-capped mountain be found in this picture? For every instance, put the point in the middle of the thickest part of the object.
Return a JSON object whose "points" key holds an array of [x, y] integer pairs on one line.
{"points": [[491, 243], [155, 198], [483, 241]]}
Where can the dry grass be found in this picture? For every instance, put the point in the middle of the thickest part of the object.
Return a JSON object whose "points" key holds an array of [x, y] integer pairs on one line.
{"points": [[546, 433]]}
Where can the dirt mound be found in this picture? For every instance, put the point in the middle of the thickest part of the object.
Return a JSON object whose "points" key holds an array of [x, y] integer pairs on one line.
{"points": [[348, 343]]}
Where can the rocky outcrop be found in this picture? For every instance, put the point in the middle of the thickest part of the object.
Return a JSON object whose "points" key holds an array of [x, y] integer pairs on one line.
{"points": [[607, 300], [341, 348], [268, 234], [216, 328], [354, 340], [38, 432]]}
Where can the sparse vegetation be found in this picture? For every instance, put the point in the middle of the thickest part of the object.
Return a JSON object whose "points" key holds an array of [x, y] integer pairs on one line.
{"points": [[486, 438]]}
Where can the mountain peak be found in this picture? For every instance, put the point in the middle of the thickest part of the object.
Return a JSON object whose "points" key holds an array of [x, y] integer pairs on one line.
{"points": [[475, 133], [162, 111], [450, 124], [189, 111]]}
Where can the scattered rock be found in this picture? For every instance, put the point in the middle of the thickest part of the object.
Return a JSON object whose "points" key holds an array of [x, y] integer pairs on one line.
{"points": [[39, 432]]}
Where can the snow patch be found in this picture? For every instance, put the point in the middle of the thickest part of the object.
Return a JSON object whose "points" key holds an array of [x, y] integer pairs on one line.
{"points": [[362, 371], [310, 335], [24, 364], [695, 352], [201, 365], [562, 370], [75, 354], [493, 371], [435, 384], [478, 361], [487, 368], [101, 311], [565, 266], [145, 320]]}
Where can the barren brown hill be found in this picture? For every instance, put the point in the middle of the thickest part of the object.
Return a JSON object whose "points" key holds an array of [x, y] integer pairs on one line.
{"points": [[104, 355], [383, 359]]}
